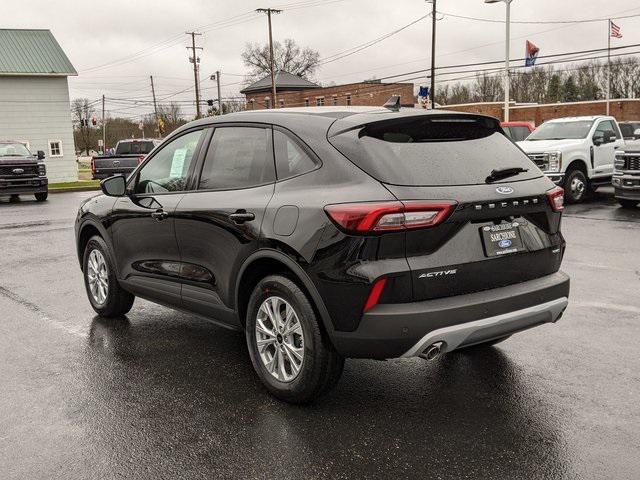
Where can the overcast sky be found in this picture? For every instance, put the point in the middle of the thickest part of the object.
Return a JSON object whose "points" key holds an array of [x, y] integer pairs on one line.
{"points": [[115, 45]]}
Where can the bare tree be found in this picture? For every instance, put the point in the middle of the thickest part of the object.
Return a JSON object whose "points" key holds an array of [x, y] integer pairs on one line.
{"points": [[288, 56], [85, 136]]}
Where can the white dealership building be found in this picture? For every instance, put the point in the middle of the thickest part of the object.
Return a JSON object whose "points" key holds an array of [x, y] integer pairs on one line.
{"points": [[34, 98]]}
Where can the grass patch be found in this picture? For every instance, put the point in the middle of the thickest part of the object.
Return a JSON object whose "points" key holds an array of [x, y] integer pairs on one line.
{"points": [[73, 185]]}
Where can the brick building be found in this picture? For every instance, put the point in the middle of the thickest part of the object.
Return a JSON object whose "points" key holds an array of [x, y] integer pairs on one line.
{"points": [[293, 91], [621, 109]]}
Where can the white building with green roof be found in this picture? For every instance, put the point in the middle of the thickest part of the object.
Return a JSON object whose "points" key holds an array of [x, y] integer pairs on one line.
{"points": [[34, 98]]}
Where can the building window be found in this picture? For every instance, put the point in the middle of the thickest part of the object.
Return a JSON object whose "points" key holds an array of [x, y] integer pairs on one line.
{"points": [[348, 99], [281, 103], [252, 103], [335, 100], [267, 102], [306, 102], [320, 101], [55, 148]]}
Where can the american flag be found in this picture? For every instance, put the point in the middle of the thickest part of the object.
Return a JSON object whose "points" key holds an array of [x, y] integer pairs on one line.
{"points": [[615, 30]]}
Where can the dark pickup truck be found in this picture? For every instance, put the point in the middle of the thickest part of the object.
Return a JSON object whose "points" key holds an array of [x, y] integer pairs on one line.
{"points": [[129, 153], [22, 172]]}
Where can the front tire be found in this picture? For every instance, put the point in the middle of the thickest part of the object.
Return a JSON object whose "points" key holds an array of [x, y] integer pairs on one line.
{"points": [[576, 186], [627, 203], [105, 294], [288, 348], [41, 196]]}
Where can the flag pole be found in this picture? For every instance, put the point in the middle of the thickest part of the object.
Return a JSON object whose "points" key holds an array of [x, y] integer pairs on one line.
{"points": [[608, 64]]}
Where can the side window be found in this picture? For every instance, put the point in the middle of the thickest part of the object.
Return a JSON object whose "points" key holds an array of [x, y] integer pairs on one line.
{"points": [[291, 159], [604, 126], [521, 133], [167, 170], [238, 157]]}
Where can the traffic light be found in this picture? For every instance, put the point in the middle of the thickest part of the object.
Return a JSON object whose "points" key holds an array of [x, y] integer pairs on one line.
{"points": [[94, 121]]}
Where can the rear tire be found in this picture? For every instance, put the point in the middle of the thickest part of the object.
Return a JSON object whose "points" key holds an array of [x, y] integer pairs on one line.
{"points": [[295, 367], [42, 196], [105, 294], [576, 186], [627, 203]]}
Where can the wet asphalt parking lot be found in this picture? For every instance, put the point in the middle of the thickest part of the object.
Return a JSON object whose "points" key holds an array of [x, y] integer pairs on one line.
{"points": [[163, 394]]}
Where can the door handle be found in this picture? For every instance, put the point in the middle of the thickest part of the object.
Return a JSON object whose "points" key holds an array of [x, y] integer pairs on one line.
{"points": [[159, 215], [241, 216]]}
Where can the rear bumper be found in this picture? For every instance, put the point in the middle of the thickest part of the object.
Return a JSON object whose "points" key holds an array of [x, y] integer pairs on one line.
{"points": [[405, 330], [101, 175], [23, 186]]}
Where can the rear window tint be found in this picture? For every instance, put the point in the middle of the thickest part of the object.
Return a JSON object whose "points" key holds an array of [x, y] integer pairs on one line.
{"points": [[432, 151], [127, 148]]}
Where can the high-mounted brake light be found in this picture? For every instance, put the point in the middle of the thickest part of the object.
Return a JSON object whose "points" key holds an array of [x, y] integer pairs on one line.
{"points": [[378, 217], [556, 199]]}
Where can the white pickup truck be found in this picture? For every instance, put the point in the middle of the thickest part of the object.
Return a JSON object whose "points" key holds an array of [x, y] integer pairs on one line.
{"points": [[577, 153]]}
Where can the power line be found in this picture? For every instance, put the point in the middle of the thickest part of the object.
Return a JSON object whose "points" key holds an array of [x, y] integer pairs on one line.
{"points": [[539, 22]]}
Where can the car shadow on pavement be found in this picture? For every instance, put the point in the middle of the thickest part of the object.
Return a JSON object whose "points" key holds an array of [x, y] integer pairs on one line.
{"points": [[179, 398]]}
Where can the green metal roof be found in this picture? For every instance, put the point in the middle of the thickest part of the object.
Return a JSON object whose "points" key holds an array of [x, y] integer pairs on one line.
{"points": [[32, 52]]}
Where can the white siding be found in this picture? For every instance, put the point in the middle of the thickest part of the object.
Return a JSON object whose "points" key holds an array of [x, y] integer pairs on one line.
{"points": [[36, 110]]}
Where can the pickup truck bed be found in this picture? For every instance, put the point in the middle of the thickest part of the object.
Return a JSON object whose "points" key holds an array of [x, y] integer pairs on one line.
{"points": [[128, 155]]}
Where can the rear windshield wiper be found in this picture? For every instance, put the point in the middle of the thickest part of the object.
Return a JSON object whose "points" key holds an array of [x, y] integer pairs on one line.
{"points": [[501, 173]]}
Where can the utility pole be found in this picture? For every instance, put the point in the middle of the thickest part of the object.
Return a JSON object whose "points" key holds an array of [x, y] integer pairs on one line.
{"points": [[155, 105], [219, 94], [196, 60], [432, 93], [506, 55], [608, 66], [269, 11], [104, 130]]}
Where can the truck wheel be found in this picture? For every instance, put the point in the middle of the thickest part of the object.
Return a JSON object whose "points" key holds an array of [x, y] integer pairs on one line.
{"points": [[105, 294], [289, 350], [627, 203], [42, 196], [575, 186]]}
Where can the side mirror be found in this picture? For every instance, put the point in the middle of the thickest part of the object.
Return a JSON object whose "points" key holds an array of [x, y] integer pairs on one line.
{"points": [[41, 154], [598, 140], [609, 136], [114, 186]]}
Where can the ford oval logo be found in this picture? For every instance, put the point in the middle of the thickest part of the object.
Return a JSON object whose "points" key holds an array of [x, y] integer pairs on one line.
{"points": [[504, 243], [504, 190], [18, 171]]}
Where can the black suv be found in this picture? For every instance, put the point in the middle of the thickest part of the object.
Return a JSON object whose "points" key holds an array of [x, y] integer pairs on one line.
{"points": [[21, 172], [327, 233]]}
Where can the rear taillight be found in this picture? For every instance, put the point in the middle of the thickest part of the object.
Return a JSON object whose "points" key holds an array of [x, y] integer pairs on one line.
{"points": [[140, 159], [556, 199], [374, 295], [378, 217], [93, 165]]}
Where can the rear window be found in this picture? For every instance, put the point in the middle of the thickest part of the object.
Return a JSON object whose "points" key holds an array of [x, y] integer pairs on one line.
{"points": [[135, 148], [433, 151]]}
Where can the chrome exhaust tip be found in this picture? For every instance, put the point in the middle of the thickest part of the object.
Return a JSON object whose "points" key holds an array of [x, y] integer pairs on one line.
{"points": [[433, 351]]}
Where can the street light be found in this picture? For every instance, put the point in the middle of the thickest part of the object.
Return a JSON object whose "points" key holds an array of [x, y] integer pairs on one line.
{"points": [[506, 59]]}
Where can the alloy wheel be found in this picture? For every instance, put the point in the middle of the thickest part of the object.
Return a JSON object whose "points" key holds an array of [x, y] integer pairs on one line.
{"points": [[280, 339], [98, 276]]}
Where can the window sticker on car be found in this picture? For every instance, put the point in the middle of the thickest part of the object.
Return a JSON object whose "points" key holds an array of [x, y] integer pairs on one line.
{"points": [[177, 163]]}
